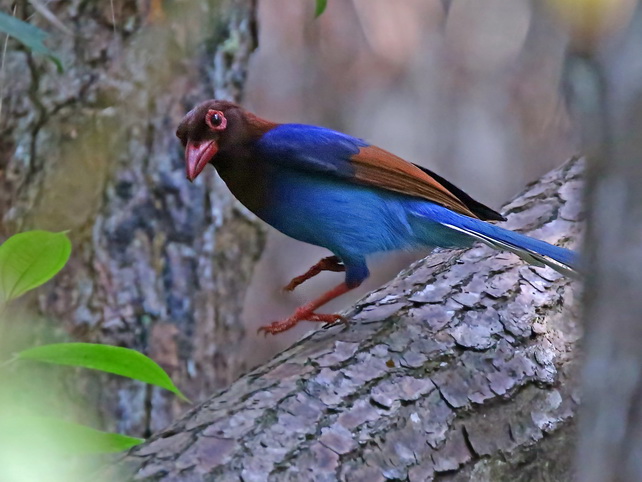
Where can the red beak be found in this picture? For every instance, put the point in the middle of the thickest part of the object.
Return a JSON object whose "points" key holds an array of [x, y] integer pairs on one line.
{"points": [[197, 156]]}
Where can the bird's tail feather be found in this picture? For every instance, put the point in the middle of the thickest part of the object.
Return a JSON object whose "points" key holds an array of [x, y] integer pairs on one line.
{"points": [[533, 251]]}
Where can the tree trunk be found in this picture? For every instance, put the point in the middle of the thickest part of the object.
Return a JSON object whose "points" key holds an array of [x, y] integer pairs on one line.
{"points": [[159, 264], [462, 368], [606, 91]]}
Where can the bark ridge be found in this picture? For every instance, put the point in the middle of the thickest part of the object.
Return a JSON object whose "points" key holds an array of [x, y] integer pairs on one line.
{"points": [[462, 368]]}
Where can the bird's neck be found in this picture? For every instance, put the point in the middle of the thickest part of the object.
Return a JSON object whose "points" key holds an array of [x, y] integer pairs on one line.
{"points": [[240, 166], [245, 176], [256, 127]]}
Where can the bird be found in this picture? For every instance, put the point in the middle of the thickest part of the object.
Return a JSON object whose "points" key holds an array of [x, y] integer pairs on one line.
{"points": [[333, 190]]}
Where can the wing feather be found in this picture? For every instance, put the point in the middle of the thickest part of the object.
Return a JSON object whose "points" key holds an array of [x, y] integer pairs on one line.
{"points": [[322, 150], [380, 168]]}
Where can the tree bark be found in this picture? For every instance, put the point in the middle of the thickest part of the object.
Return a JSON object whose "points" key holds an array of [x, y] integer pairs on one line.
{"points": [[462, 368], [159, 264]]}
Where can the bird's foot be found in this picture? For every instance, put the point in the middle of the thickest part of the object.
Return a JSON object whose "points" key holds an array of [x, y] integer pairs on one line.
{"points": [[307, 312], [331, 263], [284, 325], [296, 281]]}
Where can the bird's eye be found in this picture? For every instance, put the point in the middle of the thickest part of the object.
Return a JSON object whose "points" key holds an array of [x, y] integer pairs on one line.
{"points": [[215, 120]]}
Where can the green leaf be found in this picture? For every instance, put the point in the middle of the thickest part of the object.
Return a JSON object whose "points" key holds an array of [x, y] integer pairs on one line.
{"points": [[29, 35], [111, 359], [62, 436], [30, 259], [320, 7]]}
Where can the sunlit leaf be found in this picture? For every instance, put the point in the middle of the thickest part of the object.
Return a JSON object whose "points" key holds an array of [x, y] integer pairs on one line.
{"points": [[30, 259], [320, 7], [111, 359], [62, 436], [29, 35]]}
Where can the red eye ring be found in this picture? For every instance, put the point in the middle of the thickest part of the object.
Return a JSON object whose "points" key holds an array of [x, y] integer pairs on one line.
{"points": [[215, 120]]}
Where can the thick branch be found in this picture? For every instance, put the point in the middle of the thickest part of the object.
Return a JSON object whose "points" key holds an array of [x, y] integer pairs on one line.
{"points": [[461, 368]]}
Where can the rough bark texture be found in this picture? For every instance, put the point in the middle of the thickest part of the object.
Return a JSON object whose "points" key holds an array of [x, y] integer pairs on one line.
{"points": [[159, 264], [462, 368]]}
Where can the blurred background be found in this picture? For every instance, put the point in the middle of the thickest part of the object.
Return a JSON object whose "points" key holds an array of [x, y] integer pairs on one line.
{"points": [[468, 89], [471, 89]]}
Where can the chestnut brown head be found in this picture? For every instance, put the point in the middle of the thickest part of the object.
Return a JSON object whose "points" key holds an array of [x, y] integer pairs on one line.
{"points": [[206, 129]]}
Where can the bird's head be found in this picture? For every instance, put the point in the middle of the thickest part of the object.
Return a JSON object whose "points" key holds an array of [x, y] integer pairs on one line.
{"points": [[207, 129]]}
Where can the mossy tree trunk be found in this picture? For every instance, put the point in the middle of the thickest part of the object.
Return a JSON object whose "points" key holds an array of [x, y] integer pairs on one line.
{"points": [[159, 264]]}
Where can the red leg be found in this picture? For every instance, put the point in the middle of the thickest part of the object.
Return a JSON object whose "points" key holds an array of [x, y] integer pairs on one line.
{"points": [[331, 263], [306, 312]]}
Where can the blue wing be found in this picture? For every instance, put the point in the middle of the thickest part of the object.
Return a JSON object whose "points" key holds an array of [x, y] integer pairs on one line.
{"points": [[310, 148], [323, 151]]}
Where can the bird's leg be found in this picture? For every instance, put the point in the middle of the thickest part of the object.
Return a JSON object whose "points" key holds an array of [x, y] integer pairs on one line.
{"points": [[306, 312], [331, 263]]}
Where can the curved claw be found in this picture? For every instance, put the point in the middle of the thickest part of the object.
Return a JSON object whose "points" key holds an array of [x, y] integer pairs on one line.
{"points": [[306, 312], [294, 282], [329, 319], [284, 325]]}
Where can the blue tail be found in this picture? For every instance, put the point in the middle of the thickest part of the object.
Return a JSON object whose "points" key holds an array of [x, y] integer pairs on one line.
{"points": [[531, 250]]}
